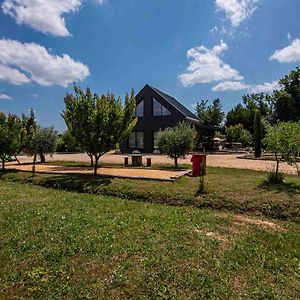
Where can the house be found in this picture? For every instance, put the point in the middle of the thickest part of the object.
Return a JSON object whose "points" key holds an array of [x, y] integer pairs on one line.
{"points": [[155, 110]]}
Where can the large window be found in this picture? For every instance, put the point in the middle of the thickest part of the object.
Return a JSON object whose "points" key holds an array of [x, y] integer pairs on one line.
{"points": [[139, 112], [136, 140], [159, 110]]}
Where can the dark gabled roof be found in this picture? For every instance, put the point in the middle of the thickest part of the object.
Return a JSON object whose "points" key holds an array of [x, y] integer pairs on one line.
{"points": [[187, 113]]}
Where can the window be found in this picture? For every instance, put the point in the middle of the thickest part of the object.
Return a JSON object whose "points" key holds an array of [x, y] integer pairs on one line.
{"points": [[139, 112], [136, 140], [155, 144], [159, 110]]}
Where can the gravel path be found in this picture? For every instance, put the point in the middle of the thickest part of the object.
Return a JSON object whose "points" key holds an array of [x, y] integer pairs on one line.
{"points": [[226, 161]]}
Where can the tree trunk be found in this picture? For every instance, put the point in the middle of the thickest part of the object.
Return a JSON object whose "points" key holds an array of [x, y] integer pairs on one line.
{"points": [[33, 165], [17, 160], [96, 165], [43, 158], [3, 164], [176, 162]]}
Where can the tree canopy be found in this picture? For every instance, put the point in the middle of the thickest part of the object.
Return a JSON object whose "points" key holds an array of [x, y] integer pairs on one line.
{"points": [[98, 123], [177, 141]]}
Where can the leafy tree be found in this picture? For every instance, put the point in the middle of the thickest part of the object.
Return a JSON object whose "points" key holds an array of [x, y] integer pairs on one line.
{"points": [[177, 141], [211, 118], [10, 136], [244, 113], [98, 123], [258, 131], [45, 141], [287, 100], [283, 140], [238, 134], [67, 143], [29, 142]]}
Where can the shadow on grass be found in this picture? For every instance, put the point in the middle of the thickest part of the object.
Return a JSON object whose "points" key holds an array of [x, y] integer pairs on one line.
{"points": [[284, 187], [74, 183]]}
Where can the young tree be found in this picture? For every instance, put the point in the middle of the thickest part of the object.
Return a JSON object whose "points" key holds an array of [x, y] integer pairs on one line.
{"points": [[283, 140], [177, 141], [258, 130], [98, 123], [67, 143], [29, 142], [10, 136], [45, 141], [239, 134]]}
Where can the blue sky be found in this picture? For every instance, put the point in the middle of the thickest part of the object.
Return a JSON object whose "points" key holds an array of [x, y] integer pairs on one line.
{"points": [[193, 50]]}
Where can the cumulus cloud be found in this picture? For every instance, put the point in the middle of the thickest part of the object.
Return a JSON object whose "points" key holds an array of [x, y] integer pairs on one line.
{"points": [[21, 63], [236, 10], [5, 97], [230, 86], [206, 66], [266, 87], [42, 15], [288, 54]]}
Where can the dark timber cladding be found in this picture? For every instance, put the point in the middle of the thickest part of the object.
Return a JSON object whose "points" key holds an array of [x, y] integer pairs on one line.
{"points": [[155, 110]]}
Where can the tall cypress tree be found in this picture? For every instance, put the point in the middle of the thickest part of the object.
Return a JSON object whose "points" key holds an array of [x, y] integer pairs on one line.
{"points": [[257, 126]]}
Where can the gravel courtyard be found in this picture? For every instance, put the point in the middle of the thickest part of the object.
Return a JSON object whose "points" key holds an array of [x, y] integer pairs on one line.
{"points": [[226, 161]]}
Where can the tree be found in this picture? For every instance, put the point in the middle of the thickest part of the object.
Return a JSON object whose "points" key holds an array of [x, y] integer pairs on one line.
{"points": [[177, 141], [98, 123], [283, 140], [244, 113], [258, 131], [238, 134], [29, 142], [287, 99], [45, 141], [67, 143], [10, 136], [211, 118]]}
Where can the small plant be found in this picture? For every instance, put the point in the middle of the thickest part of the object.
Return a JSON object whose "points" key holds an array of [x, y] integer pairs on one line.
{"points": [[202, 188], [275, 178]]}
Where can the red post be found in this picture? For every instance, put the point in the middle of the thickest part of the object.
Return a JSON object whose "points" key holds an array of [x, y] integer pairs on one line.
{"points": [[199, 164]]}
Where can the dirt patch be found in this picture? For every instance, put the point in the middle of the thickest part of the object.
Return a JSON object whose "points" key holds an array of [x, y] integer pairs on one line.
{"points": [[267, 225]]}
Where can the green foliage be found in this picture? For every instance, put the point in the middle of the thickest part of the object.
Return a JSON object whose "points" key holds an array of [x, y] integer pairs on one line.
{"points": [[274, 178], [238, 134], [283, 140], [177, 141], [287, 100], [211, 118], [67, 143], [244, 113], [45, 141], [98, 123], [10, 136], [258, 131]]}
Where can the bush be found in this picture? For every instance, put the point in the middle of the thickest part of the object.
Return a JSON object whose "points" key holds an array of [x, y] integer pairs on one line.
{"points": [[275, 178]]}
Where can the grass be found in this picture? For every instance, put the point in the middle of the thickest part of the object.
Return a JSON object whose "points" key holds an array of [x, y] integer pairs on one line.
{"points": [[231, 189], [65, 245]]}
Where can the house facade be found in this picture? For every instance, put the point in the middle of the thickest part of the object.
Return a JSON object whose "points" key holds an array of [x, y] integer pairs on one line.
{"points": [[155, 110]]}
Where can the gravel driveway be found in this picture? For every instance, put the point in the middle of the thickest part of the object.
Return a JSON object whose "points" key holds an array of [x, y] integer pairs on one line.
{"points": [[226, 161]]}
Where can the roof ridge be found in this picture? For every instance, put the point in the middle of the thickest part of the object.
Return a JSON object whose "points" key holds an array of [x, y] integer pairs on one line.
{"points": [[184, 110]]}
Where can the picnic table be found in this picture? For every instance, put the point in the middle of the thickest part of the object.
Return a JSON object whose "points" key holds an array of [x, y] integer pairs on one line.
{"points": [[136, 160]]}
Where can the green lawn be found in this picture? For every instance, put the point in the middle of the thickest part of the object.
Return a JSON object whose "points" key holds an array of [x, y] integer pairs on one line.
{"points": [[231, 189], [56, 244]]}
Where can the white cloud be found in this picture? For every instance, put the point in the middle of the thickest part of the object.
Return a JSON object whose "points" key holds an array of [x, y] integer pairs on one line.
{"points": [[237, 10], [22, 63], [206, 66], [230, 86], [288, 54], [266, 87], [42, 15], [12, 75], [5, 97]]}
